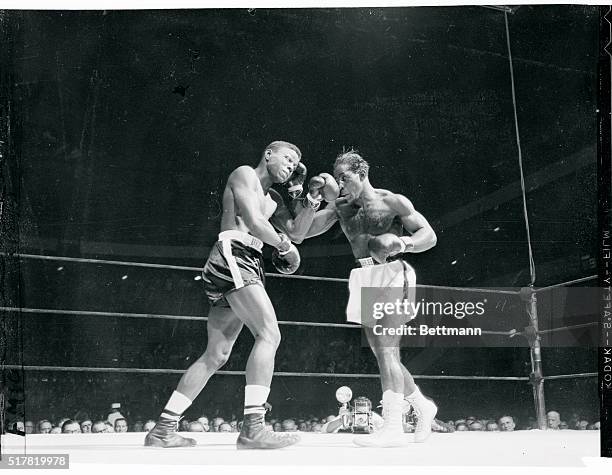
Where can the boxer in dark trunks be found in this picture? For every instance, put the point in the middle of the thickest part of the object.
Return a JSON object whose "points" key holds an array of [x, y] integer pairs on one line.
{"points": [[233, 279]]}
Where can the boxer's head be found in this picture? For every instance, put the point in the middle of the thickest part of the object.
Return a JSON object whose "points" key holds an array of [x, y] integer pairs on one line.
{"points": [[281, 159], [351, 171]]}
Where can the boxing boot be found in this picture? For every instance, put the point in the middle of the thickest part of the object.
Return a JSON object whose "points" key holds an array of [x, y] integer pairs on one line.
{"points": [[255, 435], [164, 435]]}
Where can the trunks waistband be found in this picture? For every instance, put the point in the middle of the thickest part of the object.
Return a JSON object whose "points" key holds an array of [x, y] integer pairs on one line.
{"points": [[369, 261], [243, 238]]}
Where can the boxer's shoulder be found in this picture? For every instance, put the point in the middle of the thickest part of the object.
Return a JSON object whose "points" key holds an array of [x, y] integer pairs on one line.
{"points": [[243, 174]]}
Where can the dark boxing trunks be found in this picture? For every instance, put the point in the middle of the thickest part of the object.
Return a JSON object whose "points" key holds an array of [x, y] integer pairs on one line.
{"points": [[235, 261]]}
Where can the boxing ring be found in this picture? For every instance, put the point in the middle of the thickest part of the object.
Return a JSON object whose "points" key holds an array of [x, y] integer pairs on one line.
{"points": [[520, 448], [528, 448]]}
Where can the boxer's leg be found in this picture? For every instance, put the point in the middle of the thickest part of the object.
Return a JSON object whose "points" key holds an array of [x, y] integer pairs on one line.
{"points": [[223, 328], [253, 306], [386, 350], [424, 408]]}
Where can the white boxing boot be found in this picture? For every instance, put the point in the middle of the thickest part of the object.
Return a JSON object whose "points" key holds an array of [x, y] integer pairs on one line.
{"points": [[392, 432], [425, 411]]}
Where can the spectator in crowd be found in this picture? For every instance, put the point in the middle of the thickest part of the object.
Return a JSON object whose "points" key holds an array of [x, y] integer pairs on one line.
{"points": [[17, 427], [28, 427], [204, 422], [149, 425], [86, 426], [217, 421], [277, 427], [506, 424], [109, 427], [553, 419], [461, 427], [460, 421], [71, 427], [316, 427], [99, 427], [43, 427], [195, 426], [492, 426], [60, 423], [121, 425], [595, 426], [225, 427], [563, 425], [303, 427], [476, 426], [582, 425], [573, 420], [114, 413], [234, 425], [55, 430], [184, 425], [137, 427], [288, 425]]}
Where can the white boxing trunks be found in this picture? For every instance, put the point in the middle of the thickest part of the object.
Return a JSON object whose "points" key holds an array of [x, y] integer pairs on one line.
{"points": [[397, 276]]}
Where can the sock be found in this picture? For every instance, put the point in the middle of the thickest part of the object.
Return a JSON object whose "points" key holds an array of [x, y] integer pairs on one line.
{"points": [[177, 404], [255, 397], [416, 396]]}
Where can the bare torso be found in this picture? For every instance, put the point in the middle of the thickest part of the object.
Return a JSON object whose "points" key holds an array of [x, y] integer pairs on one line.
{"points": [[231, 219], [371, 217]]}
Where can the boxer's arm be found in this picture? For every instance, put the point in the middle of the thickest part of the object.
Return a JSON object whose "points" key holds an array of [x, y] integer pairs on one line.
{"points": [[283, 220], [323, 220], [242, 182], [422, 235]]}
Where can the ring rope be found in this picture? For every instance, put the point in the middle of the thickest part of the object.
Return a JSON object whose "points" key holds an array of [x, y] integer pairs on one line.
{"points": [[241, 373], [569, 327], [92, 313], [156, 316], [272, 274], [563, 284], [268, 274], [568, 376]]}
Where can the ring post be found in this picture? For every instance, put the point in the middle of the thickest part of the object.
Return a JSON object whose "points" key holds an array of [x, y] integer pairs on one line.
{"points": [[536, 377]]}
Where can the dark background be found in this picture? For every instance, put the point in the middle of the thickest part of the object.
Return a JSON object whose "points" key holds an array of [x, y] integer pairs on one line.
{"points": [[125, 125]]}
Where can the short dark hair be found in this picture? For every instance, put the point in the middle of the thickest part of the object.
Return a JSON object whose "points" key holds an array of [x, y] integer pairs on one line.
{"points": [[354, 161], [69, 422], [281, 143]]}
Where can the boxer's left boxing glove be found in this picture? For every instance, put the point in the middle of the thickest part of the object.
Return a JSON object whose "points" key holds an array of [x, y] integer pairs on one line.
{"points": [[296, 181], [387, 245], [286, 258]]}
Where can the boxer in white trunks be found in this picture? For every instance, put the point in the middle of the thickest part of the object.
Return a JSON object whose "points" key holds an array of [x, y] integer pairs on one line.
{"points": [[374, 221]]}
